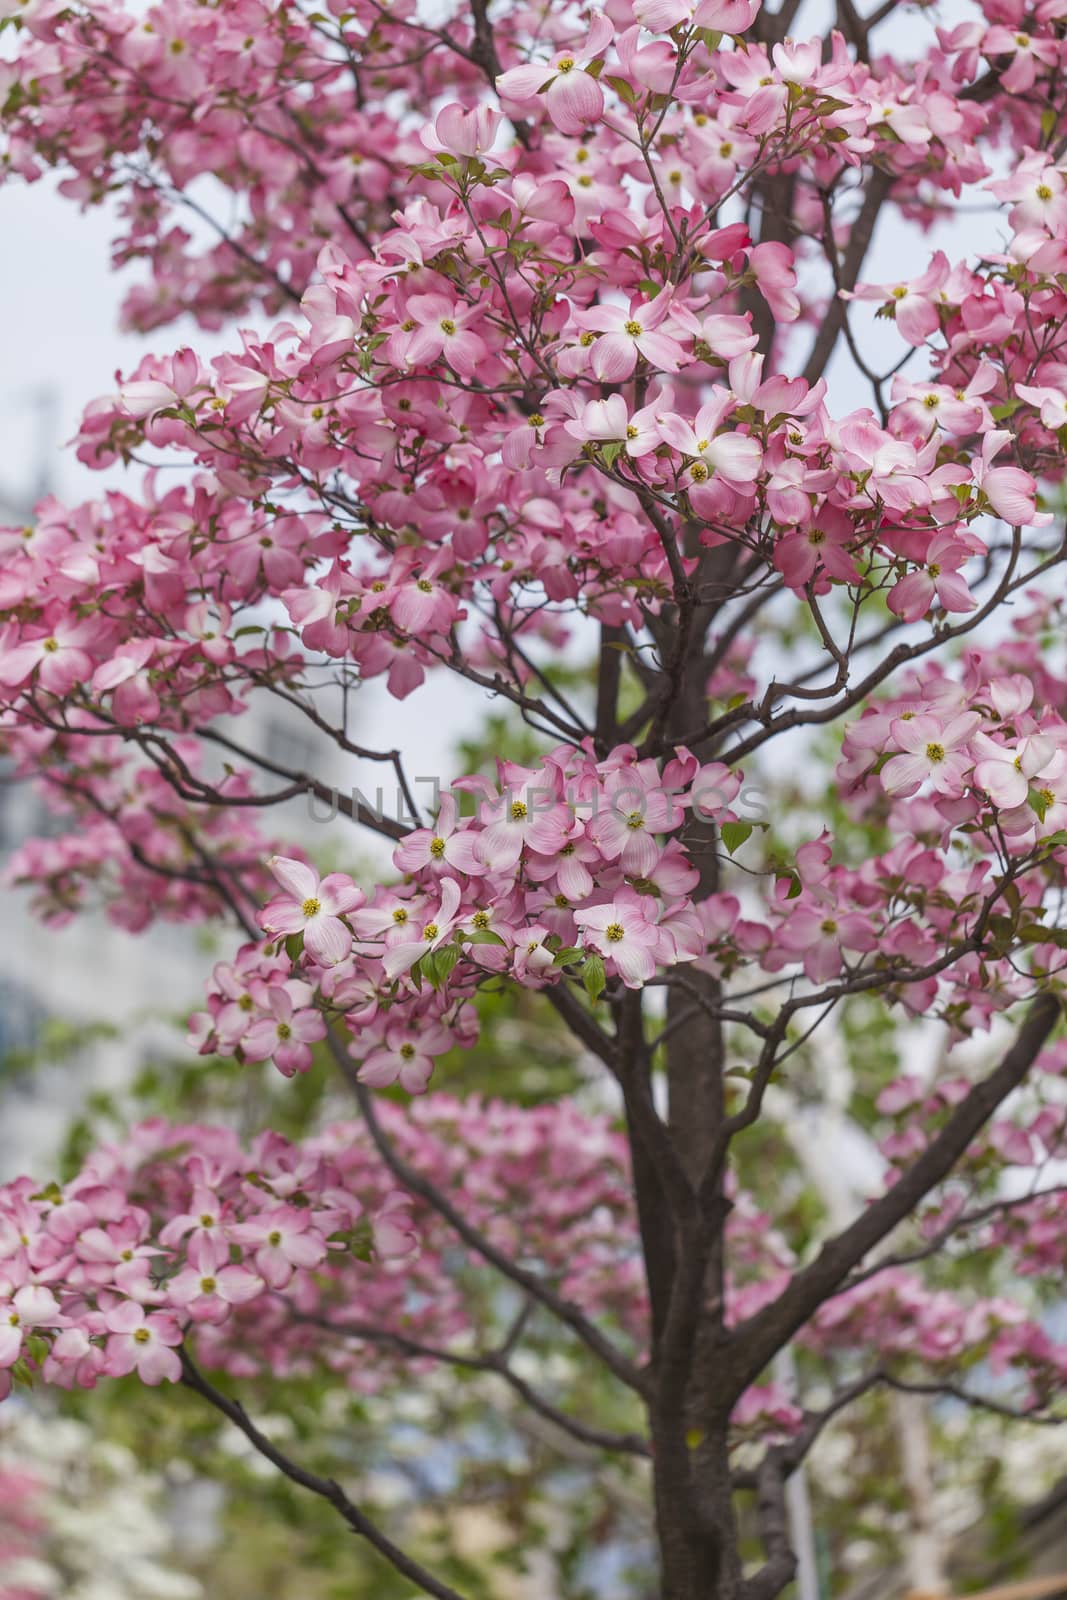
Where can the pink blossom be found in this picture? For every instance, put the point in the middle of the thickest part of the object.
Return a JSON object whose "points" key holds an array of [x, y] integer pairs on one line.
{"points": [[623, 932], [912, 597], [286, 1033], [143, 1343], [644, 328], [441, 331], [282, 1240], [932, 751], [313, 907], [463, 131], [573, 98]]}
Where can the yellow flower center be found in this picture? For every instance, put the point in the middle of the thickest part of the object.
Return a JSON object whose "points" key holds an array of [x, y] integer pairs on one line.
{"points": [[634, 329], [614, 932], [407, 1051], [430, 931], [635, 820], [935, 753], [518, 811], [141, 1336], [448, 326], [311, 907], [400, 915], [437, 848]]}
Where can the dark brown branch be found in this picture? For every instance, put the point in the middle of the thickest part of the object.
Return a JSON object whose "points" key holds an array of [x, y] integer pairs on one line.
{"points": [[761, 1336], [326, 1488], [495, 1362], [416, 1183]]}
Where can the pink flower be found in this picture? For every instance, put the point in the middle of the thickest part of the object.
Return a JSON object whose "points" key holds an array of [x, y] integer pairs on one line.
{"points": [[286, 1035], [913, 596], [573, 98], [823, 547], [632, 808], [209, 1294], [623, 932], [281, 1239], [1010, 491], [818, 938], [733, 456], [724, 16], [528, 814], [1005, 772], [772, 264], [441, 331], [1052, 402], [58, 656], [463, 131], [406, 1057], [448, 844], [608, 421], [932, 751], [394, 1232], [645, 328], [142, 1343], [29, 1307], [913, 304], [400, 957], [312, 907]]}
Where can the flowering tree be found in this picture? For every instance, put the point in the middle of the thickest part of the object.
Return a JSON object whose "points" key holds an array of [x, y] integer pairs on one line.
{"points": [[558, 293]]}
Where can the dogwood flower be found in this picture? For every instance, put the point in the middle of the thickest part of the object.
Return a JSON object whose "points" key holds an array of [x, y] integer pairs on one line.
{"points": [[1006, 772], [931, 750], [623, 932], [313, 907], [143, 1342], [644, 328], [573, 97]]}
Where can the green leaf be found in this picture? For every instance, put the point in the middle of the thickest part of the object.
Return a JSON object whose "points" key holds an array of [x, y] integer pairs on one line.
{"points": [[447, 958], [430, 969], [734, 835], [483, 936], [37, 1348], [1037, 802], [594, 976], [568, 954], [612, 451], [623, 89], [294, 946], [1007, 409]]}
